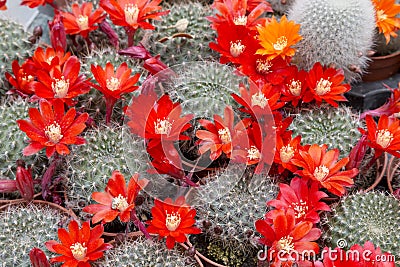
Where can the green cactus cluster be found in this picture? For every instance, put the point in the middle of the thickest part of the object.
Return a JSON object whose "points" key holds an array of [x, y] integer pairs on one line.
{"points": [[231, 257], [339, 32], [183, 35], [336, 127], [25, 226], [144, 253], [14, 46], [13, 140], [362, 217]]}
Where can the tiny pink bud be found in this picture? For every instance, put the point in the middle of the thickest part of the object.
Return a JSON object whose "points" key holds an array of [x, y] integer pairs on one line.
{"points": [[38, 258], [138, 51], [154, 65], [24, 181]]}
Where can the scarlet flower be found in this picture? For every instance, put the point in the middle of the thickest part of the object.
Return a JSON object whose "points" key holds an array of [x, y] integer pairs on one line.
{"points": [[133, 14], [218, 136], [277, 38], [302, 198], [117, 200], [82, 20], [49, 58], [384, 137], [157, 120], [114, 84], [295, 86], [386, 12], [173, 220], [22, 81], [64, 84], [35, 3], [50, 128], [322, 166], [3, 4], [234, 12], [286, 150], [287, 239], [325, 84], [78, 246], [367, 256]]}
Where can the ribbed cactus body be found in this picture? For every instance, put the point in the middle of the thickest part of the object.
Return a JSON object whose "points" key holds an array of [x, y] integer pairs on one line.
{"points": [[336, 127], [371, 216], [145, 253], [339, 32]]}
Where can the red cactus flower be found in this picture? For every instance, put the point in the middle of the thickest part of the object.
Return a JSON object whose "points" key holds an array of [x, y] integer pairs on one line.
{"points": [[78, 246], [287, 239], [35, 3], [82, 20], [302, 198], [295, 86], [46, 59], [285, 152], [325, 84], [3, 4], [384, 137], [117, 200], [235, 12], [173, 220], [158, 121], [51, 128], [322, 166], [64, 84], [22, 81]]}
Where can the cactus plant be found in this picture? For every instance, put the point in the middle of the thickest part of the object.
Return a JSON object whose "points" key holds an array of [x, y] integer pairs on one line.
{"points": [[336, 127], [231, 205], [17, 47], [144, 253], [281, 6], [183, 35], [23, 227], [362, 217], [339, 32]]}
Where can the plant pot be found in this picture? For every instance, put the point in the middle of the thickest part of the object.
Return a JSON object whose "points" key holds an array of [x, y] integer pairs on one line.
{"points": [[382, 67]]}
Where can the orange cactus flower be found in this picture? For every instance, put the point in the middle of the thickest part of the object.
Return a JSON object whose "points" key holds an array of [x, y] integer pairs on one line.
{"points": [[386, 12], [285, 152], [117, 200], [325, 84], [78, 246], [173, 220], [295, 86], [277, 38], [287, 239], [22, 81], [82, 20], [384, 137], [51, 128], [322, 166], [35, 3], [46, 59]]}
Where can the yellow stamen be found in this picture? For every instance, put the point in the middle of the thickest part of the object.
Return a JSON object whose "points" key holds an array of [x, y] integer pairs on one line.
{"points": [[131, 12], [237, 48], [295, 87], [224, 135], [263, 66], [253, 153], [259, 99], [60, 87], [119, 203], [113, 84], [78, 251], [285, 244], [323, 87], [172, 221], [240, 20], [281, 43], [384, 138], [53, 132], [321, 172], [83, 22], [286, 153], [162, 126]]}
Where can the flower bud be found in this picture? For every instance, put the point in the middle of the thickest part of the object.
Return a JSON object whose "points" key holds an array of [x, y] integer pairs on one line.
{"points": [[38, 258], [24, 181]]}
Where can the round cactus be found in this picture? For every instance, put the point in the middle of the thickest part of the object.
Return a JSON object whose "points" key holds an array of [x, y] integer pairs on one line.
{"points": [[15, 46], [281, 6], [339, 32], [144, 253], [183, 35], [336, 127], [13, 140], [362, 217], [23, 227]]}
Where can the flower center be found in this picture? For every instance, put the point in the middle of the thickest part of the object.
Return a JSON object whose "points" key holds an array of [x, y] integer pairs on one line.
{"points": [[285, 244], [300, 208], [224, 135], [263, 66], [27, 78], [323, 87], [237, 48], [172, 221], [253, 153], [131, 12], [113, 84], [321, 172], [281, 43], [83, 22], [259, 100], [295, 87], [162, 126], [384, 138], [53, 132], [78, 251], [60, 87], [380, 15], [49, 59], [286, 153], [119, 203], [240, 20]]}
